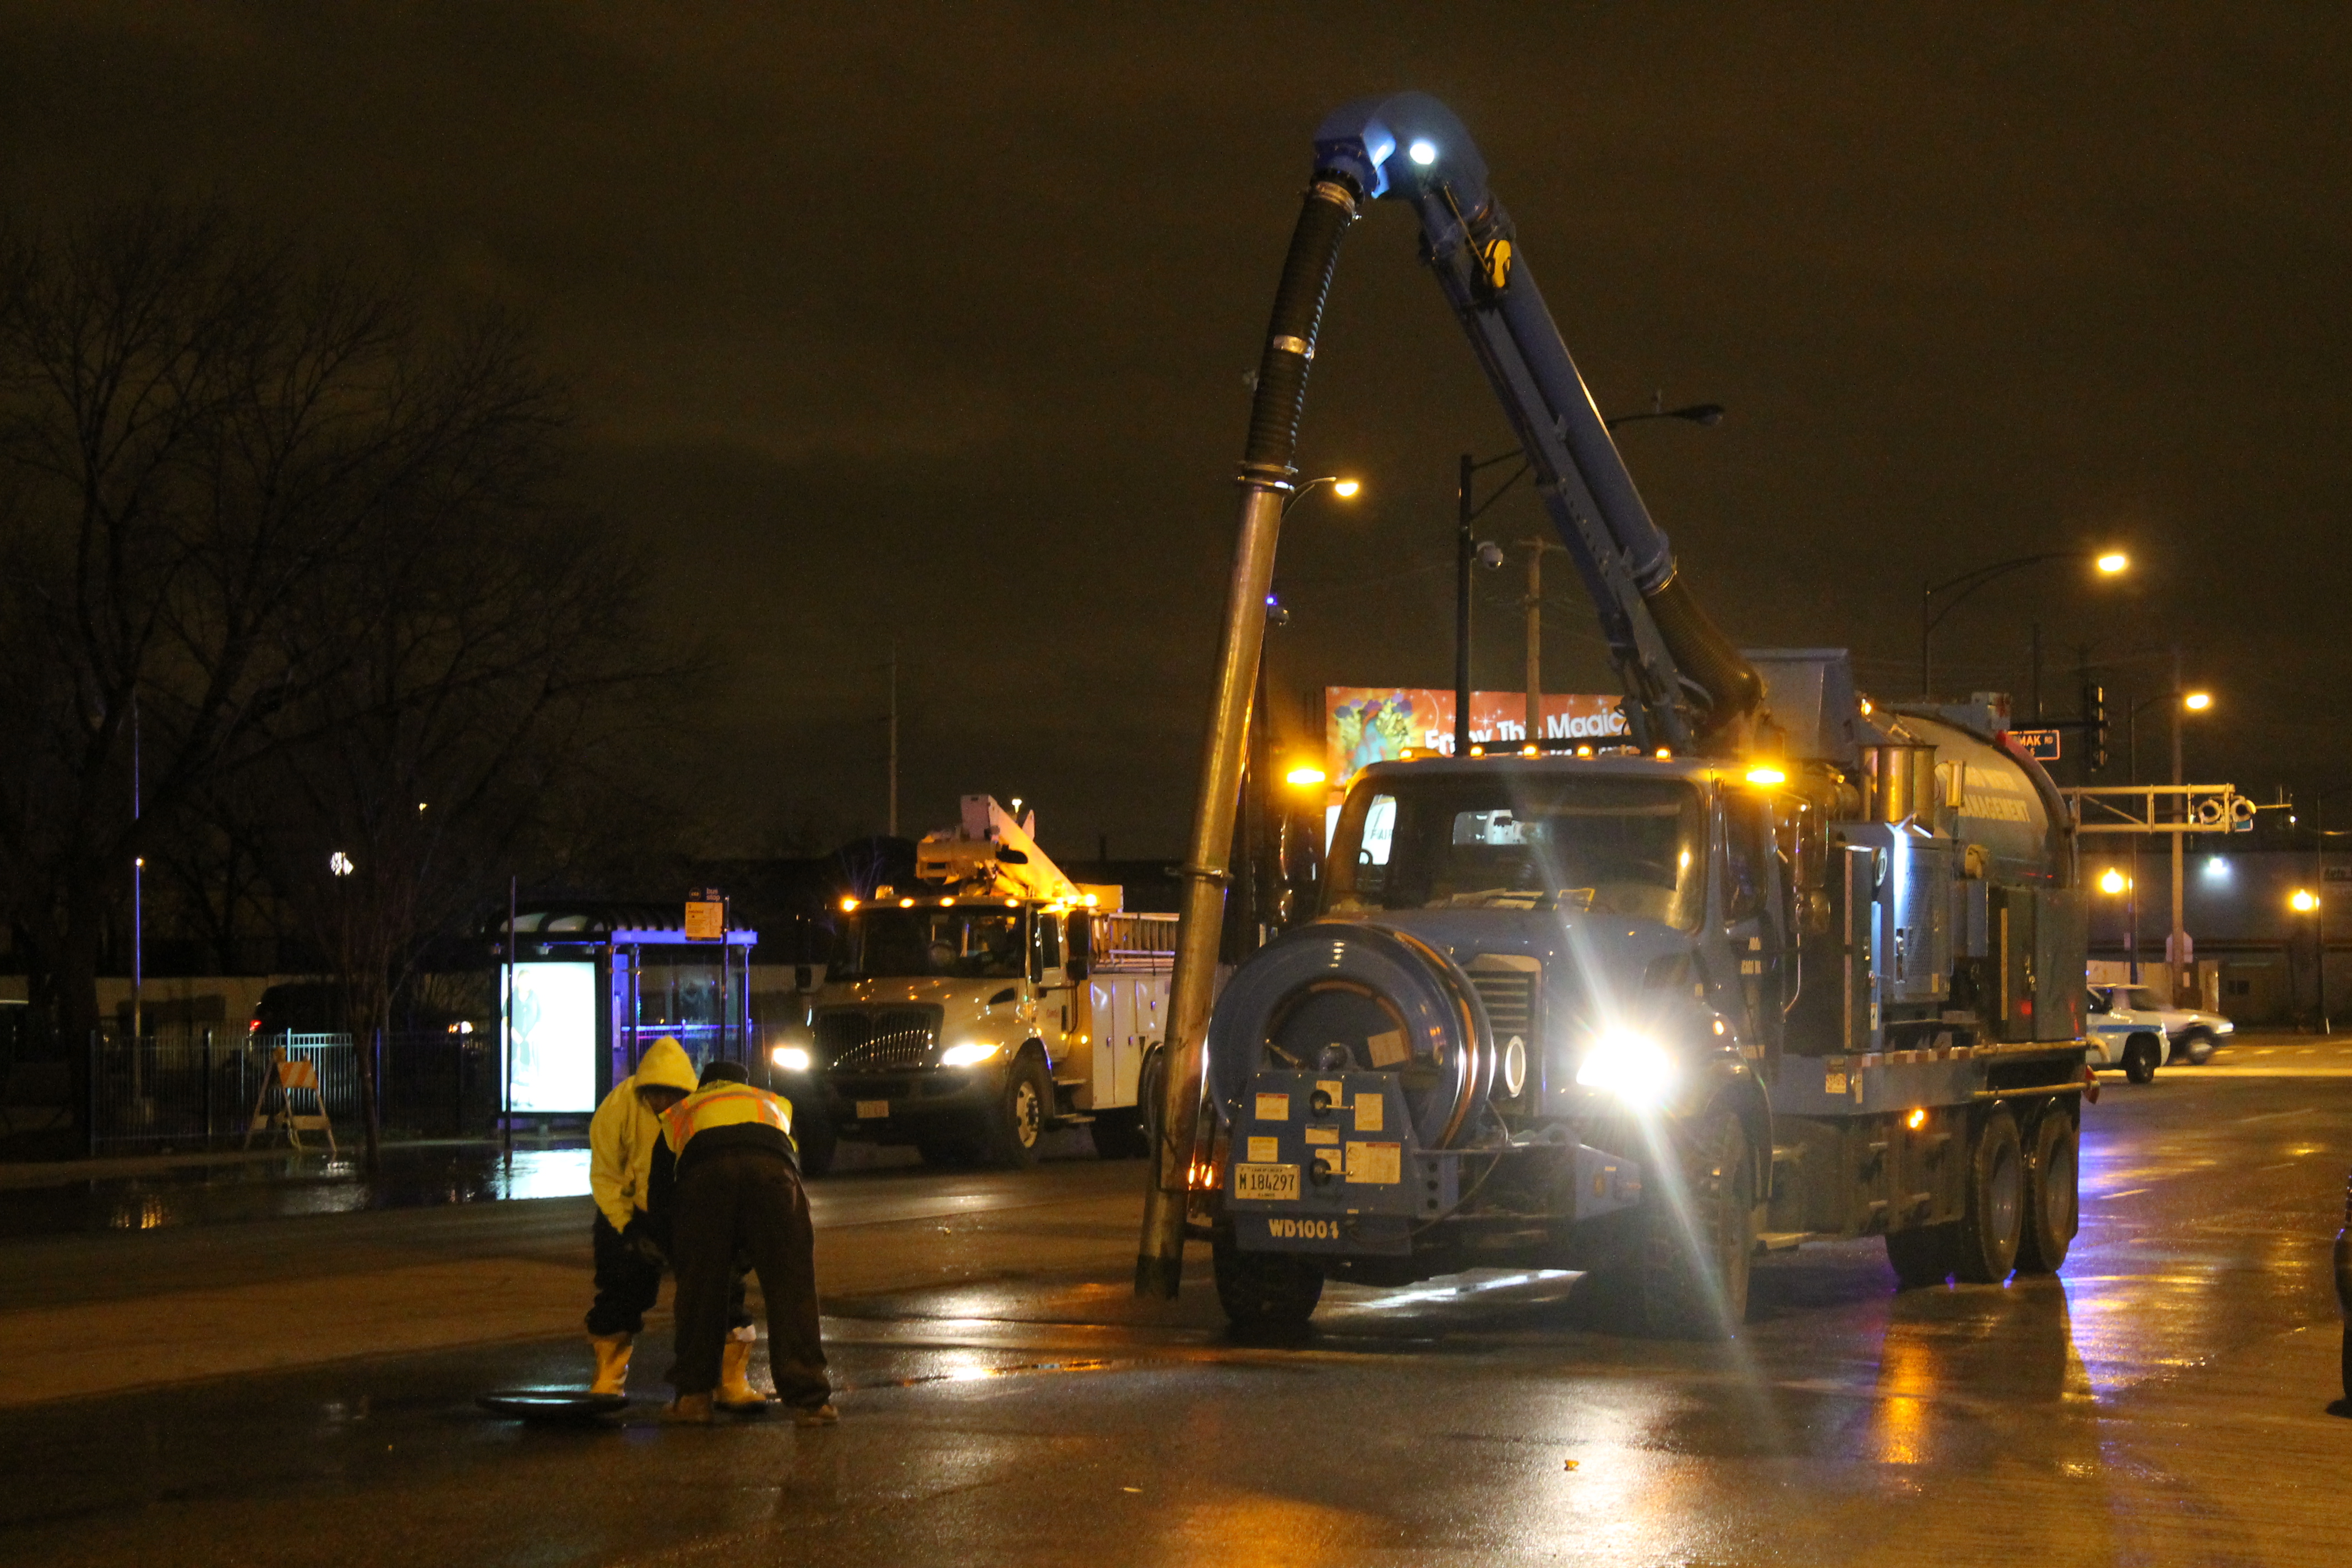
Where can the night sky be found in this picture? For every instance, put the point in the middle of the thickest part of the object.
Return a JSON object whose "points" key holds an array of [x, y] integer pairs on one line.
{"points": [[930, 323]]}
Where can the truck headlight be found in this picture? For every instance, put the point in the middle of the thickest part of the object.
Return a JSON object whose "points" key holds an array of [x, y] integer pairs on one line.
{"points": [[970, 1054], [1629, 1065], [790, 1058]]}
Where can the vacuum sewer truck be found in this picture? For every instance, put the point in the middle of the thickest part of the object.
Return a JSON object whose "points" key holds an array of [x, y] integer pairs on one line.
{"points": [[1786, 964]]}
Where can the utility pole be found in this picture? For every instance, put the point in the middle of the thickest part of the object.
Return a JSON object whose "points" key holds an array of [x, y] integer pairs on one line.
{"points": [[2037, 674], [894, 737], [1463, 547], [1536, 548], [2176, 951]]}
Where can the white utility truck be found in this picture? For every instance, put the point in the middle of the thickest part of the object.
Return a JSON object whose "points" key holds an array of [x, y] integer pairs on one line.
{"points": [[972, 1011]]}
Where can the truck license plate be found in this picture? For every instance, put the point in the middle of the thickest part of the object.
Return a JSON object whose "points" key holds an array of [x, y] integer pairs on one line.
{"points": [[873, 1109], [1266, 1183]]}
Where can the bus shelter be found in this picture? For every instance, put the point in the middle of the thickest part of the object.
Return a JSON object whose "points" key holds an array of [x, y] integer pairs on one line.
{"points": [[585, 990]]}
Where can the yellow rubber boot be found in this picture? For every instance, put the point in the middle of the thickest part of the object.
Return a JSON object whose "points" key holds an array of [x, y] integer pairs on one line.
{"points": [[735, 1390], [612, 1363]]}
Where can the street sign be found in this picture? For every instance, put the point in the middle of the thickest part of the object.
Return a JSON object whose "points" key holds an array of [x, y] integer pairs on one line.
{"points": [[2042, 745], [2336, 874]]}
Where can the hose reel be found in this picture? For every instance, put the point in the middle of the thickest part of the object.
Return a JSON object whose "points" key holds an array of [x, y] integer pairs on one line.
{"points": [[1338, 996]]}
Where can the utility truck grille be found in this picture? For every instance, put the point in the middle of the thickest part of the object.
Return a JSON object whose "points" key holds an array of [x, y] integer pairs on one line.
{"points": [[877, 1039]]}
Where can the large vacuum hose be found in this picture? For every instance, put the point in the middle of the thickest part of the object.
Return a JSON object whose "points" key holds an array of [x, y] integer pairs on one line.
{"points": [[1289, 349], [1265, 482], [1733, 689]]}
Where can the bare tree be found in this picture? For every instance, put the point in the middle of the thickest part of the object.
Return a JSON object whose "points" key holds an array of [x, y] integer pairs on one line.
{"points": [[307, 536]]}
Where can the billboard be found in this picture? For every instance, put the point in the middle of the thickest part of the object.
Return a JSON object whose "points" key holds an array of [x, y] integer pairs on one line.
{"points": [[553, 1049], [1365, 724]]}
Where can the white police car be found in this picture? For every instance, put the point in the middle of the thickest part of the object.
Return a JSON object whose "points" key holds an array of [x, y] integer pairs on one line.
{"points": [[2191, 1033], [2122, 1037]]}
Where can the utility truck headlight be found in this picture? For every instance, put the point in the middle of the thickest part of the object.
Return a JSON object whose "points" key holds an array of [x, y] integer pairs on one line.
{"points": [[1631, 1066], [970, 1054], [792, 1059]]}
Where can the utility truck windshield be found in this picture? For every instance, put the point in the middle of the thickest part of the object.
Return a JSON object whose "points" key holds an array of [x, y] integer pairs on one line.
{"points": [[964, 943], [1523, 840]]}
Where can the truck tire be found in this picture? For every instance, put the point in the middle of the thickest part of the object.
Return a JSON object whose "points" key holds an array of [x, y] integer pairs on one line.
{"points": [[1266, 1294], [1119, 1134], [2052, 1213], [2141, 1054], [1150, 1099], [1925, 1254], [1994, 1222], [1687, 1276], [1015, 1129]]}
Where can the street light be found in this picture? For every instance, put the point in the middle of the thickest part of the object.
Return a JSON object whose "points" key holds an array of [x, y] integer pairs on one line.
{"points": [[2198, 701], [2108, 562], [1705, 414], [2114, 882], [1345, 487], [1305, 776], [2305, 901]]}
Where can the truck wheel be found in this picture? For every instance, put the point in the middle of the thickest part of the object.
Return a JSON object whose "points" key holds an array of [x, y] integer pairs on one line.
{"points": [[1994, 1223], [1150, 1099], [1119, 1134], [1923, 1256], [1016, 1129], [2050, 1217], [2140, 1057], [1266, 1293], [1687, 1276]]}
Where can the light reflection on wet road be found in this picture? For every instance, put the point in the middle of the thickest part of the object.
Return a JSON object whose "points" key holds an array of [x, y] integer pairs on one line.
{"points": [[2162, 1401]]}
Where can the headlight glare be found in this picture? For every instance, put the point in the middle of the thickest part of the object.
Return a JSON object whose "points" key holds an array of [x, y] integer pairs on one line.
{"points": [[1629, 1065], [790, 1058], [970, 1054]]}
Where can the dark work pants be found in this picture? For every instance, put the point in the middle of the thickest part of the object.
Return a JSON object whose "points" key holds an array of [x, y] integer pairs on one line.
{"points": [[748, 1202], [626, 1285]]}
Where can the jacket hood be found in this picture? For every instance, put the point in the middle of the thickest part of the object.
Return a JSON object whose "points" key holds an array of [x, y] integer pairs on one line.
{"points": [[664, 1065]]}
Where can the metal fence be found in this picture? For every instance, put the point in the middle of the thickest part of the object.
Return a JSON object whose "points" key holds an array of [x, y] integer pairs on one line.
{"points": [[197, 1088]]}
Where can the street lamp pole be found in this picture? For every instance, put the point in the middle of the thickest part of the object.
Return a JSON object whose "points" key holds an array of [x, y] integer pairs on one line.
{"points": [[2175, 947], [1466, 551]]}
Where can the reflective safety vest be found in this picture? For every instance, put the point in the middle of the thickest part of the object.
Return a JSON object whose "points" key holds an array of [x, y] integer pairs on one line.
{"points": [[723, 1105]]}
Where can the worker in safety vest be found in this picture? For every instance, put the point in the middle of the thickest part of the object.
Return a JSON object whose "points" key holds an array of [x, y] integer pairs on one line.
{"points": [[727, 1182], [622, 1137]]}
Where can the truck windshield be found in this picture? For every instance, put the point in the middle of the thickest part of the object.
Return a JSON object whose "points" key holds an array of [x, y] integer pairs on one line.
{"points": [[1520, 840], [965, 944]]}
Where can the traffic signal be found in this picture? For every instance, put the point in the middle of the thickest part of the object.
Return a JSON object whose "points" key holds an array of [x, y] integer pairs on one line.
{"points": [[2094, 724]]}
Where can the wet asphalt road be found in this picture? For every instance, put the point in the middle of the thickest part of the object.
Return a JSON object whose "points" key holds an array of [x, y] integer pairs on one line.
{"points": [[1005, 1400]]}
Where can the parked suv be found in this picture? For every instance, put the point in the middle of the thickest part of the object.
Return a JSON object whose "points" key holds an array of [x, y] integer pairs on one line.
{"points": [[2121, 1035], [2191, 1033]]}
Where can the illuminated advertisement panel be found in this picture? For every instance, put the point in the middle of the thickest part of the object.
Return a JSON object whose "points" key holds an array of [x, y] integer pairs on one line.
{"points": [[554, 1047], [1366, 724]]}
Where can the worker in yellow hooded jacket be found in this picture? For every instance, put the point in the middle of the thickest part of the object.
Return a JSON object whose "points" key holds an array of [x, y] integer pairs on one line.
{"points": [[622, 1137]]}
